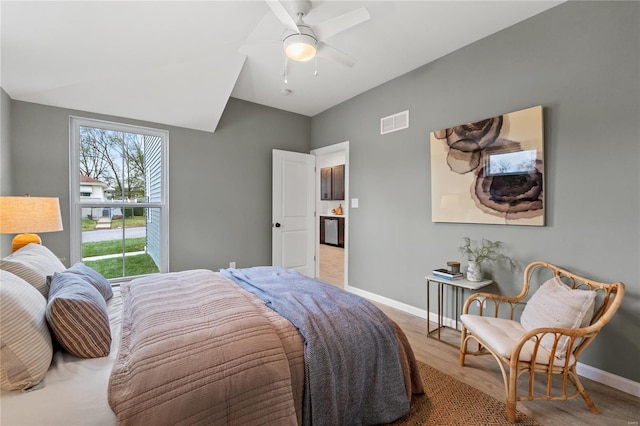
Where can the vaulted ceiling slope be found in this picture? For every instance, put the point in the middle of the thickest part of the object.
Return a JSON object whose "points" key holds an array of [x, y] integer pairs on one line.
{"points": [[178, 62]]}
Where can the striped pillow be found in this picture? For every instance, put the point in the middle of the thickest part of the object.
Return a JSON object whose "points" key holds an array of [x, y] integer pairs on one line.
{"points": [[33, 263], [77, 315], [25, 342]]}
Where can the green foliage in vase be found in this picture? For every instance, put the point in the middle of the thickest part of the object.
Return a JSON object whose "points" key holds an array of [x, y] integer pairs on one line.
{"points": [[488, 251]]}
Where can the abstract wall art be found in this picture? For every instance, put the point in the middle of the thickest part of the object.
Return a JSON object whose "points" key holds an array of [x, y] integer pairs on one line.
{"points": [[490, 171]]}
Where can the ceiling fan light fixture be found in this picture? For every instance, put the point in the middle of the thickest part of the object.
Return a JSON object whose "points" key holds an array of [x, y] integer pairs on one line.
{"points": [[300, 47]]}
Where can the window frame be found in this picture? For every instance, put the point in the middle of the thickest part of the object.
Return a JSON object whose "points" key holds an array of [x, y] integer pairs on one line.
{"points": [[76, 205]]}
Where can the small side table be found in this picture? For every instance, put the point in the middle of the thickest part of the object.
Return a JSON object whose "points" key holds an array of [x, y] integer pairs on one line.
{"points": [[459, 286]]}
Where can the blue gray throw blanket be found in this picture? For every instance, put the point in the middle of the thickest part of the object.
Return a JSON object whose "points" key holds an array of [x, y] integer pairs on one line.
{"points": [[353, 374]]}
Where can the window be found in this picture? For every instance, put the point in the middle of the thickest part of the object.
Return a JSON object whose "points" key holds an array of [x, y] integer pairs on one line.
{"points": [[119, 198]]}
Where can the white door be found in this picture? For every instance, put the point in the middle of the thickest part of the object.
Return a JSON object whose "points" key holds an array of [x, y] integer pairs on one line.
{"points": [[293, 218]]}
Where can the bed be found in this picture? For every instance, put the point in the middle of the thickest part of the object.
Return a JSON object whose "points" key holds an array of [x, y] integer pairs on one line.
{"points": [[203, 347]]}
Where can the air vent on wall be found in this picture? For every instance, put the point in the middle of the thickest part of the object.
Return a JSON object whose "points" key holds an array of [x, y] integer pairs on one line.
{"points": [[394, 122]]}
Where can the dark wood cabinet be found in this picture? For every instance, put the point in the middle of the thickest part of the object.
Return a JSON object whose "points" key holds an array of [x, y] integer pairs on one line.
{"points": [[332, 183], [326, 190], [337, 182], [341, 232]]}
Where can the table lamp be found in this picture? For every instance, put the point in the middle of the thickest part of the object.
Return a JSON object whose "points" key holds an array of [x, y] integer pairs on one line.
{"points": [[26, 216]]}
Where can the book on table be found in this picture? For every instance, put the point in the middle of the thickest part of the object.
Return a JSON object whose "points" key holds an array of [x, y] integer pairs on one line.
{"points": [[446, 274]]}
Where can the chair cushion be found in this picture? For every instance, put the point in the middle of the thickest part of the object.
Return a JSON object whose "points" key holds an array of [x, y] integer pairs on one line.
{"points": [[557, 305], [25, 343], [77, 315], [502, 336], [33, 263]]}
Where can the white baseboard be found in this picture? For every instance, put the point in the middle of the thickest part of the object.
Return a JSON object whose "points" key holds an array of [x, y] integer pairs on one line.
{"points": [[617, 382], [389, 302], [621, 383]]}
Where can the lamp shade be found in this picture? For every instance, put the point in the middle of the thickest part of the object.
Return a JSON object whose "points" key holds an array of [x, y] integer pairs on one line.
{"points": [[21, 215]]}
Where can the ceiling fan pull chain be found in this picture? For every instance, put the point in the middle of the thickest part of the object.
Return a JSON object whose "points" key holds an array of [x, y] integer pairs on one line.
{"points": [[316, 71], [286, 81]]}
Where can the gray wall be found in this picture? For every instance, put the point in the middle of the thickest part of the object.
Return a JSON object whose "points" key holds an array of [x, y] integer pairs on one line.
{"points": [[581, 62], [5, 159], [219, 183], [222, 182]]}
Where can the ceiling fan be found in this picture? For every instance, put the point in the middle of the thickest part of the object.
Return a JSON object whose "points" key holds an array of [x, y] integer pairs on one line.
{"points": [[302, 42]]}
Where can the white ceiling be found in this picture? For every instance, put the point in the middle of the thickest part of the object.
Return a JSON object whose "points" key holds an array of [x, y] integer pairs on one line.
{"points": [[178, 62]]}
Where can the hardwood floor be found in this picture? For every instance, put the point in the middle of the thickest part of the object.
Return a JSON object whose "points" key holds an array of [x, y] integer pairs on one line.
{"points": [[332, 265], [482, 372]]}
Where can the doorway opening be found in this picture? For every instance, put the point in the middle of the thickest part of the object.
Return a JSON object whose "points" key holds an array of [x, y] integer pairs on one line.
{"points": [[332, 215]]}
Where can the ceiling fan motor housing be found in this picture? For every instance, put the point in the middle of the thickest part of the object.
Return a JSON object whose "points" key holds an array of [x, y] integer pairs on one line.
{"points": [[301, 47], [297, 7]]}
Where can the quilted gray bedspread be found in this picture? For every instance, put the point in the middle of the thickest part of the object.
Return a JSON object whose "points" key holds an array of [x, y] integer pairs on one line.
{"points": [[353, 374]]}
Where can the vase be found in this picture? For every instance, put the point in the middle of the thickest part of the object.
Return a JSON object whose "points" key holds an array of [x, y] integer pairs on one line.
{"points": [[474, 273]]}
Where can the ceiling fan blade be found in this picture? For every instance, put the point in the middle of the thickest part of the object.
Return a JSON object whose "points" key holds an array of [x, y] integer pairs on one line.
{"points": [[331, 53], [283, 16], [333, 26]]}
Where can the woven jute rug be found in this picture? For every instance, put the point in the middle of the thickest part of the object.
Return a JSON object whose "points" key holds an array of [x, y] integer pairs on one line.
{"points": [[448, 401]]}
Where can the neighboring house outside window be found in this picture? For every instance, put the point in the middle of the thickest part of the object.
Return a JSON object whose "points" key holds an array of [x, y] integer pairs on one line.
{"points": [[119, 198], [92, 190]]}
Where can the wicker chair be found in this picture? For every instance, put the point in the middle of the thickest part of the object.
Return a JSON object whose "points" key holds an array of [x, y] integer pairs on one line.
{"points": [[522, 352]]}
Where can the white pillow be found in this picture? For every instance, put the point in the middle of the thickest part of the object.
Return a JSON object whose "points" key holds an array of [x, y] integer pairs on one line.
{"points": [[557, 305], [25, 342], [33, 263]]}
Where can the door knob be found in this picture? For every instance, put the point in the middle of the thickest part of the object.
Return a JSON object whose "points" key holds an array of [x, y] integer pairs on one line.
{"points": [[277, 225]]}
